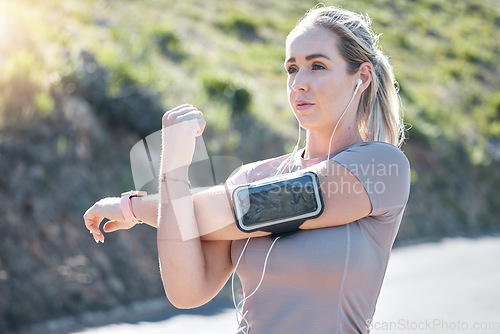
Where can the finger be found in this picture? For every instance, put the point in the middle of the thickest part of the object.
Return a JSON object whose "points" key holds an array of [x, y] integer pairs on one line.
{"points": [[195, 126], [183, 106], [113, 225], [179, 107], [195, 114], [99, 237], [96, 238], [110, 226], [168, 115], [201, 127], [174, 115], [92, 221], [181, 116]]}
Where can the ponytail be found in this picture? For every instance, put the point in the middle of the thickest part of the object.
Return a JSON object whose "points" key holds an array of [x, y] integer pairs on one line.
{"points": [[379, 111]]}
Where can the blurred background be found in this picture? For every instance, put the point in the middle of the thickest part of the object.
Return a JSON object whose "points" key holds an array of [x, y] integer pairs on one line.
{"points": [[82, 81]]}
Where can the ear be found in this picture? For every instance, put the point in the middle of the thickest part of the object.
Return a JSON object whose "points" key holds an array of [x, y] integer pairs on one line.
{"points": [[365, 73]]}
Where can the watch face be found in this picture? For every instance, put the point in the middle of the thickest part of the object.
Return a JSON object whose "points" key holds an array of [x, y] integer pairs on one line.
{"points": [[277, 202]]}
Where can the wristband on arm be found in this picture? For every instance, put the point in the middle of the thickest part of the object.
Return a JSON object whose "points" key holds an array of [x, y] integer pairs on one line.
{"points": [[126, 205]]}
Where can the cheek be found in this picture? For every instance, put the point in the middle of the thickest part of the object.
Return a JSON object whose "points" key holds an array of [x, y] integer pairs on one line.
{"points": [[289, 90], [330, 91]]}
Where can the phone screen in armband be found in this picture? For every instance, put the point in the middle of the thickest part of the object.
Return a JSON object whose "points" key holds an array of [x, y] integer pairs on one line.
{"points": [[278, 204]]}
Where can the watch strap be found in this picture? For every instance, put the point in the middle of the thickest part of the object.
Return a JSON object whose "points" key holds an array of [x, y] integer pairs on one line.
{"points": [[126, 205]]}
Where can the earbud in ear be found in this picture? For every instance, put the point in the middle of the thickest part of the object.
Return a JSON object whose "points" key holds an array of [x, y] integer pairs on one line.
{"points": [[360, 81]]}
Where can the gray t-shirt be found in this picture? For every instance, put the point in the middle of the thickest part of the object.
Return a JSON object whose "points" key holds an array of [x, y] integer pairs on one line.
{"points": [[326, 280]]}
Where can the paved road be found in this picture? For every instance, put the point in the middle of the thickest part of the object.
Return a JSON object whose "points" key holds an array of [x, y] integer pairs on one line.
{"points": [[452, 286]]}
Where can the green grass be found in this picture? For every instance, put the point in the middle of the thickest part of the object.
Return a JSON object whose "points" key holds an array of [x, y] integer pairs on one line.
{"points": [[443, 55]]}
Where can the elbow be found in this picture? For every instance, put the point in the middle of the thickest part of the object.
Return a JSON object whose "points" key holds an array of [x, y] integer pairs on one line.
{"points": [[183, 305], [184, 302], [183, 291], [186, 298]]}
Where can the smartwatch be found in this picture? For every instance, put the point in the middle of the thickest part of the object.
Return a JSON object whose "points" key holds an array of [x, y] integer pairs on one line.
{"points": [[126, 205]]}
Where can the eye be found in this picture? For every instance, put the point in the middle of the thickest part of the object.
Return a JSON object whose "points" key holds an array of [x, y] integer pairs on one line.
{"points": [[291, 69], [318, 66]]}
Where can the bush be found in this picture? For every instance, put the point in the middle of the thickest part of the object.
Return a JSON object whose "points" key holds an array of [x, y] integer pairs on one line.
{"points": [[90, 81], [134, 107], [243, 26], [168, 43], [238, 98], [138, 109]]}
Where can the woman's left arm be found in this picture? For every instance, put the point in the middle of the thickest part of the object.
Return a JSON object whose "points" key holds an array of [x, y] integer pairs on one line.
{"points": [[344, 196], [367, 179]]}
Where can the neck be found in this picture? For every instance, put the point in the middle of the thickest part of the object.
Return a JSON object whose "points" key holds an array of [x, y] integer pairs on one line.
{"points": [[318, 142]]}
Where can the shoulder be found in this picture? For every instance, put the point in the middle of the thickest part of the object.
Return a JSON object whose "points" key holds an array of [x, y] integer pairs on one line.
{"points": [[373, 152], [384, 171], [368, 147], [256, 170]]}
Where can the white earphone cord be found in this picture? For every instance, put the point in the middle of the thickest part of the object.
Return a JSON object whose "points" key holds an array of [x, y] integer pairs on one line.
{"points": [[241, 304], [336, 125]]}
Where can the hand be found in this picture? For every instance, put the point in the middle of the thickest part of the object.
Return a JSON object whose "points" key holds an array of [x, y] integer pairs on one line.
{"points": [[180, 127], [105, 208]]}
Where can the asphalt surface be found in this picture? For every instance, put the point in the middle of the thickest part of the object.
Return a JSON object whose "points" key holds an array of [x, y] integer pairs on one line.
{"points": [[451, 286]]}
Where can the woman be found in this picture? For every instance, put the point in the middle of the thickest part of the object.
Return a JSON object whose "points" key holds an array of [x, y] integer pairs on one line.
{"points": [[325, 278]]}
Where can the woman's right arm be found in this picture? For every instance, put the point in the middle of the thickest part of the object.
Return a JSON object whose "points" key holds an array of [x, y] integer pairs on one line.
{"points": [[213, 211], [216, 253], [212, 206]]}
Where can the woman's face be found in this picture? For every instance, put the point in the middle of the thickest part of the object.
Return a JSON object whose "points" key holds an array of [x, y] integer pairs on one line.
{"points": [[319, 87]]}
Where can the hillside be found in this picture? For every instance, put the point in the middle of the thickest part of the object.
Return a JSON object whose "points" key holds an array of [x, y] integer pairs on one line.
{"points": [[82, 81]]}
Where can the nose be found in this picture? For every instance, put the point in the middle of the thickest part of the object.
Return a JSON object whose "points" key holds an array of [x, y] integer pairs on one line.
{"points": [[299, 82]]}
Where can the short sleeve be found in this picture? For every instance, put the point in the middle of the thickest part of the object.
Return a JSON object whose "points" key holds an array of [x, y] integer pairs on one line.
{"points": [[254, 171], [384, 171], [238, 177]]}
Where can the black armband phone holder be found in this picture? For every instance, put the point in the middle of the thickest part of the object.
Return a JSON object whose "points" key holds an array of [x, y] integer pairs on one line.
{"points": [[279, 204]]}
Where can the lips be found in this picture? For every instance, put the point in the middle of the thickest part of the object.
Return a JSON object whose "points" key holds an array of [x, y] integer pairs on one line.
{"points": [[303, 104]]}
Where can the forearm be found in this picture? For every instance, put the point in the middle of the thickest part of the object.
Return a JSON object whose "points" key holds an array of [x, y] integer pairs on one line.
{"points": [[213, 212], [214, 215], [146, 209], [209, 203], [182, 260], [192, 271]]}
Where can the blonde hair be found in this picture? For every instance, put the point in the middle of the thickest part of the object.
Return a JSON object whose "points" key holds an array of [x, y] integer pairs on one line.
{"points": [[379, 113]]}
